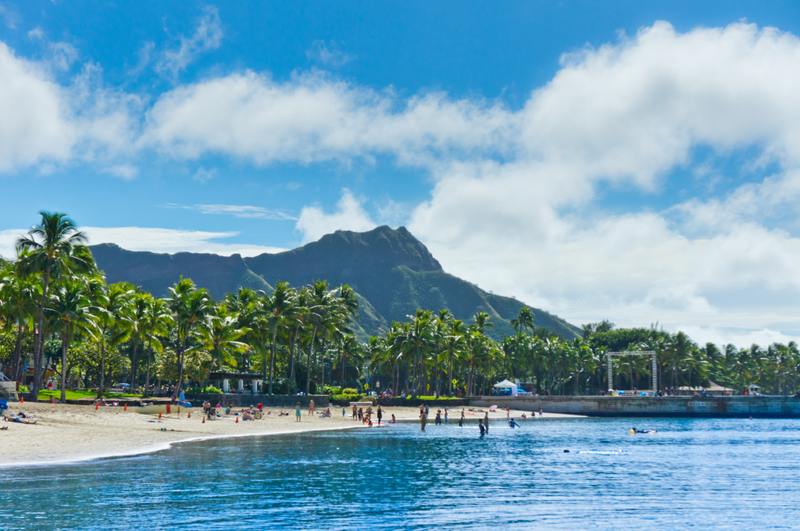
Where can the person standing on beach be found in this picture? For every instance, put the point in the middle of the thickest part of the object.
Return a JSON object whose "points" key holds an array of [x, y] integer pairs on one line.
{"points": [[445, 415], [297, 412], [541, 412], [422, 419], [311, 408], [380, 415], [355, 412]]}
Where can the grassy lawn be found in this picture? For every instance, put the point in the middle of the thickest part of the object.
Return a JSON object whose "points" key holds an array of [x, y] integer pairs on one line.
{"points": [[433, 398], [75, 395]]}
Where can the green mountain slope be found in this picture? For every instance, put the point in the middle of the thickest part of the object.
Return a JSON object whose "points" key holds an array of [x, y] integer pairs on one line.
{"points": [[392, 272]]}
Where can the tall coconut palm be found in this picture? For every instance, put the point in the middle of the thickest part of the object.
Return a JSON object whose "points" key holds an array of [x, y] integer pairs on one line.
{"points": [[159, 320], [71, 308], [140, 324], [18, 305], [415, 342], [54, 248], [219, 334], [523, 321], [454, 345], [278, 309], [111, 305], [189, 306], [321, 304]]}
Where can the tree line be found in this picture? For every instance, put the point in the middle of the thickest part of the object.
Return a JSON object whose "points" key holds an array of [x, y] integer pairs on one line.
{"points": [[57, 311]]}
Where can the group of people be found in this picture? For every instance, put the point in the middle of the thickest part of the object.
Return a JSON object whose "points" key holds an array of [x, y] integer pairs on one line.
{"points": [[360, 415]]}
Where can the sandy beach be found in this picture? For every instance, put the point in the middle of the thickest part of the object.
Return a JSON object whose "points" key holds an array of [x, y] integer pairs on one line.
{"points": [[69, 433]]}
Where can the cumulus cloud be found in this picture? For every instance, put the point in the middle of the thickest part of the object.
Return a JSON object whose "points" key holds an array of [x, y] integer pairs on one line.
{"points": [[314, 223], [314, 118], [156, 240], [514, 204]]}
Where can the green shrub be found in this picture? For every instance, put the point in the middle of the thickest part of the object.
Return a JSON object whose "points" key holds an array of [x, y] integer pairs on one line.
{"points": [[330, 390], [24, 389], [349, 391], [348, 397], [284, 386], [205, 390]]}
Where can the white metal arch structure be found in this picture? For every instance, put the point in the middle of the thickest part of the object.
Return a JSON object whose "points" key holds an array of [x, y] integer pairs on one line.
{"points": [[653, 365]]}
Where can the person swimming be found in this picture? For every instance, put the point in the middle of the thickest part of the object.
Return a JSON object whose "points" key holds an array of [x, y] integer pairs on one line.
{"points": [[512, 424]]}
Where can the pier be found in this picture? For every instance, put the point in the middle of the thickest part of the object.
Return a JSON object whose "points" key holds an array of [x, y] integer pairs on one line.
{"points": [[649, 406]]}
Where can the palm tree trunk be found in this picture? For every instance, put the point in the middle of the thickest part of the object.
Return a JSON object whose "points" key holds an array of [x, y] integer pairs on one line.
{"points": [[147, 375], [291, 352], [310, 352], [17, 352], [64, 349], [134, 365], [450, 376], [344, 365], [101, 384], [39, 342], [272, 358], [322, 365], [180, 366]]}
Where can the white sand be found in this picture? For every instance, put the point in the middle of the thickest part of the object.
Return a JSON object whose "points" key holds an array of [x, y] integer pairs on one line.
{"points": [[68, 433]]}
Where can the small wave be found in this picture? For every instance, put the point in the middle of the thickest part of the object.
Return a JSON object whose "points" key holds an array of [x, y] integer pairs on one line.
{"points": [[602, 452]]}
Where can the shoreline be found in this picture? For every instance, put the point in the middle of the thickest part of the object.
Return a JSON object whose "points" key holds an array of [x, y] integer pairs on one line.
{"points": [[71, 434]]}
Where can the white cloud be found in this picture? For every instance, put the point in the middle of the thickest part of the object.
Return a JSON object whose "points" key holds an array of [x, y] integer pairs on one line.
{"points": [[314, 117], [10, 16], [513, 206], [328, 53], [155, 240], [202, 175], [60, 55], [349, 215], [239, 211], [35, 116], [207, 36], [124, 171]]}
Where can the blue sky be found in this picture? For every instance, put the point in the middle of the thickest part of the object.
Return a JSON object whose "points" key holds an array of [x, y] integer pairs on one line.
{"points": [[627, 160]]}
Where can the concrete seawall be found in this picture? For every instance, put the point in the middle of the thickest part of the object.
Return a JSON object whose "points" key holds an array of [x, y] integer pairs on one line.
{"points": [[671, 406]]}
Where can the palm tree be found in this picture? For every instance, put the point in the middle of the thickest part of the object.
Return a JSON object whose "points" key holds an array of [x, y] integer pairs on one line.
{"points": [[278, 308], [220, 336], [321, 306], [17, 306], [52, 249], [416, 340], [70, 307], [159, 320], [111, 304], [481, 321], [523, 321], [454, 344], [189, 306]]}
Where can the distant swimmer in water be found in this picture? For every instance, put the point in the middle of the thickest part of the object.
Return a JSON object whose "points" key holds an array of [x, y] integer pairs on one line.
{"points": [[634, 430], [480, 425], [512, 424]]}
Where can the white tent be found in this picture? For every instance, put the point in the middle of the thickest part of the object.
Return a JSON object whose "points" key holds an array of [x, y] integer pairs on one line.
{"points": [[505, 384]]}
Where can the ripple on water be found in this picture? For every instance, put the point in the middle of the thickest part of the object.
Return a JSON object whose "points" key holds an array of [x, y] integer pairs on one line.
{"points": [[720, 474]]}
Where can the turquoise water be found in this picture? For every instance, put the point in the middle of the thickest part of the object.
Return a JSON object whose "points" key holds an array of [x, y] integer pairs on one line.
{"points": [[709, 474]]}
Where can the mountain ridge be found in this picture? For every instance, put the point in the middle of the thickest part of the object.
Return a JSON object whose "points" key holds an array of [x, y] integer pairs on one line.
{"points": [[391, 271]]}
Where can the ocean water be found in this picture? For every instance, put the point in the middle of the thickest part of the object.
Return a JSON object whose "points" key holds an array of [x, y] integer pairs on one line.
{"points": [[692, 473]]}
